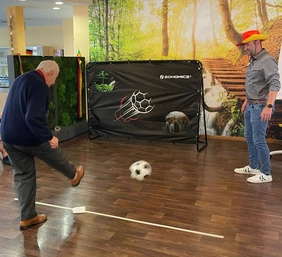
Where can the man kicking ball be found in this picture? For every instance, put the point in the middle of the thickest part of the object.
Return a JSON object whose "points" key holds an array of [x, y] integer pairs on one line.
{"points": [[25, 135]]}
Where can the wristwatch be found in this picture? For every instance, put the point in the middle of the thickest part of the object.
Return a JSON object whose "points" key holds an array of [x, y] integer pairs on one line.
{"points": [[269, 105]]}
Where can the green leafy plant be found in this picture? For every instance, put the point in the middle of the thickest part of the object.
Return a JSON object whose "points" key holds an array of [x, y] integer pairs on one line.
{"points": [[65, 119], [104, 87], [62, 93], [52, 106], [232, 111], [63, 104]]}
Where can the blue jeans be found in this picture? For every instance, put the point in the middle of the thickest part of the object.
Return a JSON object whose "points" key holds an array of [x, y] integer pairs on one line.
{"points": [[255, 132]]}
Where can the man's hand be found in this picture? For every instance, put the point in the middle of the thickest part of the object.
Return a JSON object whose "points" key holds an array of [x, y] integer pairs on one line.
{"points": [[243, 107], [54, 142], [266, 114]]}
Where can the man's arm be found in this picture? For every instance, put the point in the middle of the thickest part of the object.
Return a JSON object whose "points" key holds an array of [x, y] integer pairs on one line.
{"points": [[267, 111]]}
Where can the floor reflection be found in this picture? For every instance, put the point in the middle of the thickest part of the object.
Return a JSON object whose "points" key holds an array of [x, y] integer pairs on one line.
{"points": [[30, 242], [47, 239]]}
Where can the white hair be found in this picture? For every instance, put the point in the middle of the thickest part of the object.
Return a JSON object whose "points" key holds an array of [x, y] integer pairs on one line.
{"points": [[48, 66]]}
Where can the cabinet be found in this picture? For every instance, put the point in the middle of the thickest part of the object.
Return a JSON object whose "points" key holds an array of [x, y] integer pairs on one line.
{"points": [[4, 78], [4, 51], [40, 50]]}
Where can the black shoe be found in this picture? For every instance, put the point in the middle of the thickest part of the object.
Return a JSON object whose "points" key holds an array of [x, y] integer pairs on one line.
{"points": [[6, 160]]}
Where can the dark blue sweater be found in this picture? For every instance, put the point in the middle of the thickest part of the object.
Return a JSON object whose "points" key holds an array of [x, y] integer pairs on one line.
{"points": [[24, 116]]}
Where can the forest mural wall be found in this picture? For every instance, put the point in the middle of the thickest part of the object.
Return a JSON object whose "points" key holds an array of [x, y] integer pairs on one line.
{"points": [[205, 30]]}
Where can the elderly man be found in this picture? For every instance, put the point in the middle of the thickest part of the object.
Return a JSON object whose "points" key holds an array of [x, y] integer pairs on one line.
{"points": [[262, 84], [25, 135]]}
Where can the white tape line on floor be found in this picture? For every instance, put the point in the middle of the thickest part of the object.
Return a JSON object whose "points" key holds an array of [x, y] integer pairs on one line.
{"points": [[133, 220]]}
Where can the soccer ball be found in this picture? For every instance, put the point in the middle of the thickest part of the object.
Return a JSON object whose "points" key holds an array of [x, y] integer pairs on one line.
{"points": [[140, 170]]}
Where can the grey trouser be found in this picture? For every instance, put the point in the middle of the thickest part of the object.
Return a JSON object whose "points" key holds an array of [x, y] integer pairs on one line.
{"points": [[22, 161]]}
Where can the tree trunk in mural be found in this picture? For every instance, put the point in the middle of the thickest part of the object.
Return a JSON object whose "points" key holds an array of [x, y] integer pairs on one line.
{"points": [[230, 6], [107, 29], [194, 29], [100, 25], [158, 29], [212, 24], [273, 5], [118, 39], [165, 28], [230, 32], [262, 11]]}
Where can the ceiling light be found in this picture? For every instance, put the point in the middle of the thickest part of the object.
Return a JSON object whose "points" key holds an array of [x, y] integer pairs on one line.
{"points": [[59, 3], [22, 0], [56, 8]]}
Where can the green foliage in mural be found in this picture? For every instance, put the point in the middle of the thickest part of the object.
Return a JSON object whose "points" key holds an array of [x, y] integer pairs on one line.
{"points": [[104, 87], [232, 111], [63, 106], [117, 31], [137, 29], [104, 81], [180, 30]]}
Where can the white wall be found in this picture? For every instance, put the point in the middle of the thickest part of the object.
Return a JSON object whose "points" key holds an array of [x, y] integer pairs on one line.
{"points": [[55, 37], [81, 36], [4, 37], [68, 37], [38, 36], [3, 97], [45, 36], [51, 36]]}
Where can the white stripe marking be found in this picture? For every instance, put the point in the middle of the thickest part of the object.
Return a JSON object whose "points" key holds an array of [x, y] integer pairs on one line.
{"points": [[135, 221]]}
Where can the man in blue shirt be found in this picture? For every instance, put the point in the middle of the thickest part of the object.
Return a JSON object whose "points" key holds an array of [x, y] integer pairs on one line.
{"points": [[262, 84], [25, 135]]}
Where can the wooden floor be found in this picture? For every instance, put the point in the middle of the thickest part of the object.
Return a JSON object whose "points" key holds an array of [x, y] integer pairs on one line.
{"points": [[192, 204]]}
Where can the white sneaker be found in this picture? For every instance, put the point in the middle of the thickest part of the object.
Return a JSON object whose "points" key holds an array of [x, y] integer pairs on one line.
{"points": [[247, 170], [260, 178]]}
